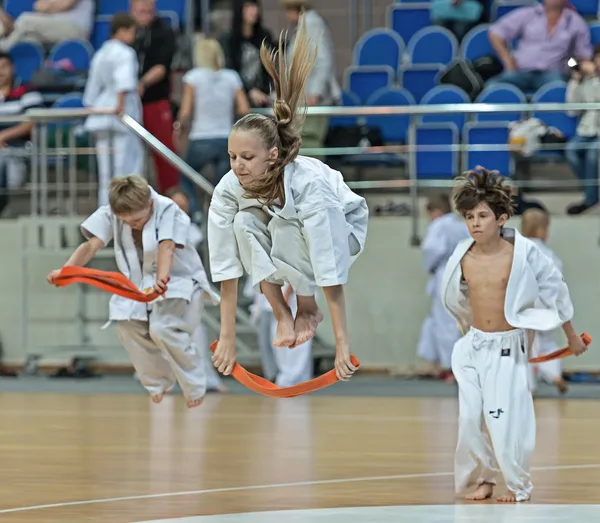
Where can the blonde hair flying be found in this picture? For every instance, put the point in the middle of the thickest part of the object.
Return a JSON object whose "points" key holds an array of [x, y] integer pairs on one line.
{"points": [[284, 131]]}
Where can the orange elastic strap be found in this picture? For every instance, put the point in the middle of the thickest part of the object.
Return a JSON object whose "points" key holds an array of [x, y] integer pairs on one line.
{"points": [[113, 282], [561, 353], [266, 388]]}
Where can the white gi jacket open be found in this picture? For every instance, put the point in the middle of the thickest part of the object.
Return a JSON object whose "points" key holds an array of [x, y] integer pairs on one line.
{"points": [[317, 197], [537, 297], [168, 222]]}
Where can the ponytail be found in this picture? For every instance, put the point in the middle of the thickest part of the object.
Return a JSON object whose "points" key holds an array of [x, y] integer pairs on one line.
{"points": [[284, 130]]}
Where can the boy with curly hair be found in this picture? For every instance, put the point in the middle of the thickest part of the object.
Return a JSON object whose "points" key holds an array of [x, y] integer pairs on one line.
{"points": [[500, 288]]}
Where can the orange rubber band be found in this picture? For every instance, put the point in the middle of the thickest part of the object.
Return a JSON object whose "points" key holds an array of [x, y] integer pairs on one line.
{"points": [[266, 388], [561, 353]]}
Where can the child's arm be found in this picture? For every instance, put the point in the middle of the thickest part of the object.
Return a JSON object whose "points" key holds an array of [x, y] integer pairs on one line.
{"points": [[337, 308], [81, 257], [172, 233], [166, 251], [225, 354]]}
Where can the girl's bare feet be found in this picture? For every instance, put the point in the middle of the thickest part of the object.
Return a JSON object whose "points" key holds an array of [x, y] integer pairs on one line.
{"points": [[157, 398], [285, 336], [509, 497], [190, 404], [308, 318], [561, 385], [484, 491]]}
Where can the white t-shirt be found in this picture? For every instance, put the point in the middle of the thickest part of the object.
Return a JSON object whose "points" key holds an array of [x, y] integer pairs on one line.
{"points": [[214, 102]]}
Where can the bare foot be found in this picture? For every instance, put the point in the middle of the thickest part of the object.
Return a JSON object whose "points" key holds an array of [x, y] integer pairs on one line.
{"points": [[561, 385], [190, 404], [157, 398], [285, 335], [308, 318], [484, 491], [509, 497]]}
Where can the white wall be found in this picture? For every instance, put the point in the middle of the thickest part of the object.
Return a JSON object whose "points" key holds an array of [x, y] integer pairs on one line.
{"points": [[386, 298]]}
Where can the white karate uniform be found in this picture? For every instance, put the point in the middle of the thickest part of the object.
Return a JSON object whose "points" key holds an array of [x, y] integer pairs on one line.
{"points": [[545, 341], [310, 242], [439, 332], [213, 379], [113, 70], [158, 335], [491, 368]]}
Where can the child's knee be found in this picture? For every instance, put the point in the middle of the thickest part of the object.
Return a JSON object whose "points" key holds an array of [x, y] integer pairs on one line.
{"points": [[250, 220]]}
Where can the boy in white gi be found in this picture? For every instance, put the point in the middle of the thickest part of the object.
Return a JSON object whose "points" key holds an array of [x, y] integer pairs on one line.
{"points": [[499, 286], [439, 332], [535, 225], [149, 233], [214, 383], [284, 218], [112, 84]]}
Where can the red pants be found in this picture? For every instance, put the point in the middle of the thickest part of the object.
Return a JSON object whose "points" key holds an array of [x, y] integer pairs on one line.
{"points": [[158, 120]]}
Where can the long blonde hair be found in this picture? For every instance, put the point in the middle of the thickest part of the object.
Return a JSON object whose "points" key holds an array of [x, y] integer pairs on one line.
{"points": [[284, 131]]}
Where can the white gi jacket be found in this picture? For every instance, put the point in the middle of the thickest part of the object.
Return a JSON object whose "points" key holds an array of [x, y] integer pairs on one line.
{"points": [[168, 222], [537, 297], [318, 197], [114, 69]]}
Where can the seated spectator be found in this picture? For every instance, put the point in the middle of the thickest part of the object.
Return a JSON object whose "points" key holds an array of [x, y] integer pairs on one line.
{"points": [[582, 149], [51, 21], [14, 101], [548, 35], [212, 97], [242, 50], [458, 16]]}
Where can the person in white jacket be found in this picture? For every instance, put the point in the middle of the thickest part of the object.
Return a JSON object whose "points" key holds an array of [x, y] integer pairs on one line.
{"points": [[499, 287]]}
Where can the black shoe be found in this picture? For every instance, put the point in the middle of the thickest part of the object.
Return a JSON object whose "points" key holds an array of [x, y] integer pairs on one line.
{"points": [[578, 208]]}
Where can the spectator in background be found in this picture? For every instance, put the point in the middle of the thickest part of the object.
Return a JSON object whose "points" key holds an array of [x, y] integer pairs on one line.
{"points": [[51, 21], [212, 97], [458, 16], [322, 86], [242, 50], [14, 101], [155, 47], [548, 35], [582, 149]]}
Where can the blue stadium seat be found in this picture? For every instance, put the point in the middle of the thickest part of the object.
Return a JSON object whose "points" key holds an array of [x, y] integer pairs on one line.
{"points": [[407, 19], [595, 33], [364, 81], [554, 92], [67, 101], [28, 57], [418, 79], [394, 128], [431, 164], [101, 32], [586, 7], [348, 100], [476, 44], [15, 7], [110, 7], [179, 7], [503, 7], [432, 45], [78, 51], [172, 18], [487, 133], [446, 94], [379, 47], [500, 94]]}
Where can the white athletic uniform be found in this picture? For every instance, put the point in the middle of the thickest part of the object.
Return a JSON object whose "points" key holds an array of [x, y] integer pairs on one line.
{"points": [[439, 332], [545, 341], [113, 70], [158, 335], [491, 368], [311, 242]]}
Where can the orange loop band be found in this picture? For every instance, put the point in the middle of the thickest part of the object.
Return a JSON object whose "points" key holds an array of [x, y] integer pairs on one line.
{"points": [[561, 353]]}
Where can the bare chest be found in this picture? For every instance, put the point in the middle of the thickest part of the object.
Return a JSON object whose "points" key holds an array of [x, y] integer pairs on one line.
{"points": [[488, 276]]}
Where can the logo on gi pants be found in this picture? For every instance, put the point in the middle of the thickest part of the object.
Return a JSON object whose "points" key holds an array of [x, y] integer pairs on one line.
{"points": [[505, 352]]}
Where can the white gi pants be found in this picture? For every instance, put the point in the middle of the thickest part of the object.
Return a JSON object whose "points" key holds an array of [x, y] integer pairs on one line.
{"points": [[126, 157], [266, 320], [439, 333], [548, 371], [491, 372], [274, 249], [162, 350], [295, 365], [213, 380]]}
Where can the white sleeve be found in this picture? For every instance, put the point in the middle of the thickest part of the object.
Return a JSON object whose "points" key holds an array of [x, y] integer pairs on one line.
{"points": [[434, 248], [225, 263], [326, 232], [100, 225], [92, 86], [174, 225], [553, 290], [126, 73]]}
